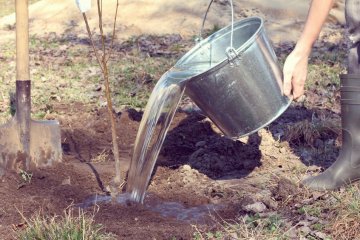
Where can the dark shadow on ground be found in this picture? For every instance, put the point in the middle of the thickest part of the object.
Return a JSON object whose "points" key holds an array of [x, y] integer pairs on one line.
{"points": [[312, 139], [193, 142]]}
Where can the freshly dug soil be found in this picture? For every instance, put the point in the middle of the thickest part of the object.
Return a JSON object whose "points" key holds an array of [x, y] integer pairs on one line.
{"points": [[198, 169]]}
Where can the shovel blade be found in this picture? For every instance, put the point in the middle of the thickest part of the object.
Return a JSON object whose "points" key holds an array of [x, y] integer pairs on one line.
{"points": [[11, 156], [44, 150], [45, 142]]}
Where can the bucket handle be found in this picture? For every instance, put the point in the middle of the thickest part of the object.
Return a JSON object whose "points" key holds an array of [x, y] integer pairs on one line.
{"points": [[230, 51]]}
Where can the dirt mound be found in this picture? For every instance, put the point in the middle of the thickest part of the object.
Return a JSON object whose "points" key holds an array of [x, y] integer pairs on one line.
{"points": [[197, 170]]}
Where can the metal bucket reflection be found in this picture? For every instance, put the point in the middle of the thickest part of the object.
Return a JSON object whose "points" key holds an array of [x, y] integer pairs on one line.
{"points": [[240, 89]]}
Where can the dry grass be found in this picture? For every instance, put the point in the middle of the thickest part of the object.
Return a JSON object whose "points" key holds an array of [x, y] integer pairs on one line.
{"points": [[256, 228], [103, 156], [70, 226], [251, 227], [307, 131], [337, 214], [345, 222]]}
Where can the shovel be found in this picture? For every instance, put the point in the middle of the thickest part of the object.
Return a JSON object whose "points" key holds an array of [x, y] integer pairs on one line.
{"points": [[26, 143]]}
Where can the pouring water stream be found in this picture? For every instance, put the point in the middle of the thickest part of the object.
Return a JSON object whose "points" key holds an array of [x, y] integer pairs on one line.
{"points": [[161, 109], [155, 123], [238, 87]]}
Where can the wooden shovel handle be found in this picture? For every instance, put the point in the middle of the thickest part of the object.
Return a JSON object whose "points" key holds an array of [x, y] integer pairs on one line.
{"points": [[22, 40]]}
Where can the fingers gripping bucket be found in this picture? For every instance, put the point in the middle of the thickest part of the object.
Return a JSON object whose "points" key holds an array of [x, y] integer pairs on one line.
{"points": [[241, 87]]}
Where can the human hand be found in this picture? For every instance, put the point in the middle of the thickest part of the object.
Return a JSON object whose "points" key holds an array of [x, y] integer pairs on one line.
{"points": [[295, 72]]}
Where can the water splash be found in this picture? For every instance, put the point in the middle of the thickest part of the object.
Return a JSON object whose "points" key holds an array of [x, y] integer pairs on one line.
{"points": [[103, 199]]}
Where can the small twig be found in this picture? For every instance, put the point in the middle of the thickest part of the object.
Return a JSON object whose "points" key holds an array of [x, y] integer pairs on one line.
{"points": [[22, 215], [99, 3], [92, 42], [113, 126], [111, 50], [293, 227], [104, 68]]}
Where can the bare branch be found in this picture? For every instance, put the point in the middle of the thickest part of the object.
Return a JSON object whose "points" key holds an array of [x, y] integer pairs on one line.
{"points": [[104, 67], [113, 33], [92, 43], [99, 5]]}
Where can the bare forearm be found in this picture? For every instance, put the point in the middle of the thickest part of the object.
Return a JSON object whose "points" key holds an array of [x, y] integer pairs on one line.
{"points": [[296, 64], [319, 10]]}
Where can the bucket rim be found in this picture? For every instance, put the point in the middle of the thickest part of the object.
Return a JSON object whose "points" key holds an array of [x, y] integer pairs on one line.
{"points": [[218, 34]]}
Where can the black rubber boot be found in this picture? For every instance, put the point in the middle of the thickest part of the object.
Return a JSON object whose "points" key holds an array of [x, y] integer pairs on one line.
{"points": [[346, 169]]}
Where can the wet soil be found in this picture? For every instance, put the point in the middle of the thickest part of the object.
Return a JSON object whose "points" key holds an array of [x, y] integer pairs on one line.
{"points": [[197, 166]]}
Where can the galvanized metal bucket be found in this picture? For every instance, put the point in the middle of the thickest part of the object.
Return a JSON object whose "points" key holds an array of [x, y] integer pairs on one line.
{"points": [[240, 82]]}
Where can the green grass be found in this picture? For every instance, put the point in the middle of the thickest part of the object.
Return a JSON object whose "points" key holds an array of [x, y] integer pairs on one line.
{"points": [[311, 210], [324, 74], [38, 42], [72, 75], [136, 77], [70, 226]]}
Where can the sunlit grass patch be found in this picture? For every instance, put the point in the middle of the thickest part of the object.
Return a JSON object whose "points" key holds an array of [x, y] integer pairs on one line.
{"points": [[323, 74], [73, 225], [344, 217], [247, 227], [135, 76], [64, 71]]}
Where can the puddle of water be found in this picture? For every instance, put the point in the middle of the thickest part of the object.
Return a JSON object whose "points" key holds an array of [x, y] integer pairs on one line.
{"points": [[180, 212], [175, 210], [103, 199]]}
